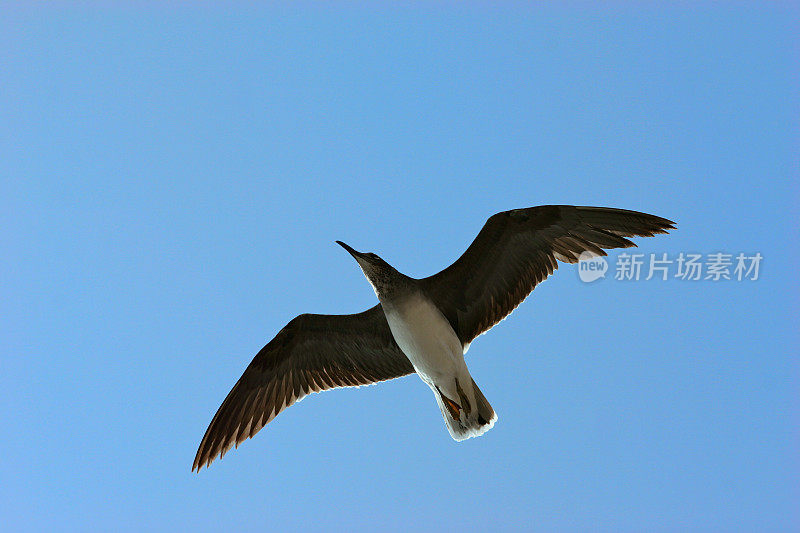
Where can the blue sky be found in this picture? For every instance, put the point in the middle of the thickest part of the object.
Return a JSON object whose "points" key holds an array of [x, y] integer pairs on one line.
{"points": [[172, 180]]}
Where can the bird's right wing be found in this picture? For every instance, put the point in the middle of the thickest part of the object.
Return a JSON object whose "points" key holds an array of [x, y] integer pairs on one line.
{"points": [[518, 249], [311, 353]]}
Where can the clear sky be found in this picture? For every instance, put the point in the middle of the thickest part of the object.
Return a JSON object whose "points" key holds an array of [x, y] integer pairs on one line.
{"points": [[172, 180]]}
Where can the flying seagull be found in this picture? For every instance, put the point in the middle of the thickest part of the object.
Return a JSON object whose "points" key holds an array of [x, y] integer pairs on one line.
{"points": [[421, 325]]}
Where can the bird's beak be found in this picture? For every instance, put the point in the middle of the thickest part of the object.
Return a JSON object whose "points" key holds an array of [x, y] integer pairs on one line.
{"points": [[354, 253]]}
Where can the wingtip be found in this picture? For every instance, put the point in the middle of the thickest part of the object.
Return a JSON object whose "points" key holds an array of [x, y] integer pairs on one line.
{"points": [[202, 459], [199, 464], [665, 224]]}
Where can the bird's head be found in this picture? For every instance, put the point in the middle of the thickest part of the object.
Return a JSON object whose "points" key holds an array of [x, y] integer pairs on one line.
{"points": [[379, 273]]}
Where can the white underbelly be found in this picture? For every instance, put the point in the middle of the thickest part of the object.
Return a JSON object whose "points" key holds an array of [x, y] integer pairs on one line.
{"points": [[427, 339]]}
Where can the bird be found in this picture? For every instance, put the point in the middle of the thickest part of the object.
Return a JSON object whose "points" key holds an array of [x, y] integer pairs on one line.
{"points": [[422, 326]]}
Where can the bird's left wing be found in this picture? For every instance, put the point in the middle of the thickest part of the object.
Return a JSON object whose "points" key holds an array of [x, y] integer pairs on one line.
{"points": [[311, 353], [518, 249]]}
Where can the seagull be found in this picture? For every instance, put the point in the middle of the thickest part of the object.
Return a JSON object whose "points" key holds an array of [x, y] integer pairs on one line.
{"points": [[422, 326]]}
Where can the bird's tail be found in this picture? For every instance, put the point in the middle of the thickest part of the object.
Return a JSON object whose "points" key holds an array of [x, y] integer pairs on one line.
{"points": [[463, 418]]}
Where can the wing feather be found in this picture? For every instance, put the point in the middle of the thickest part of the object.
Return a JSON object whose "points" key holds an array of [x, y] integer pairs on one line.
{"points": [[311, 353], [516, 250]]}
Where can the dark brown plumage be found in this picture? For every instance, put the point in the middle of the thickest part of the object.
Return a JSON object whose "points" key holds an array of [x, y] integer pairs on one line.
{"points": [[516, 250], [311, 353], [513, 252]]}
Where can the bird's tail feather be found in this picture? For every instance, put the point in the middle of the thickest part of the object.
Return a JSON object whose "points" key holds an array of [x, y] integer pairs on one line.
{"points": [[462, 421]]}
